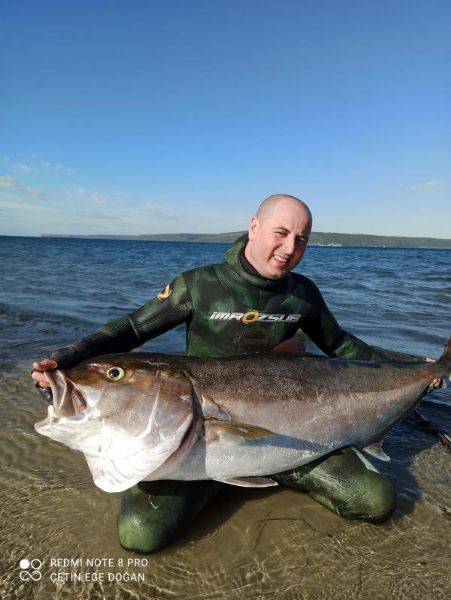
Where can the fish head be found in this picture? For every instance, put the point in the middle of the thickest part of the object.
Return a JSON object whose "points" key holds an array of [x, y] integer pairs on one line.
{"points": [[125, 414]]}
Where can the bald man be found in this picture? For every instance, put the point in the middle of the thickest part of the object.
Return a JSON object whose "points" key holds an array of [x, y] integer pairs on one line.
{"points": [[251, 302]]}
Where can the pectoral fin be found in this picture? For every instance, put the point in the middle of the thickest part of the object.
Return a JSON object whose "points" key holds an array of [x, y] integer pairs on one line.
{"points": [[369, 465], [251, 482], [376, 451], [237, 432]]}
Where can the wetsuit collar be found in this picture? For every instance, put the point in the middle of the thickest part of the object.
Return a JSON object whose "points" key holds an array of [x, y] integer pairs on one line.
{"points": [[236, 259]]}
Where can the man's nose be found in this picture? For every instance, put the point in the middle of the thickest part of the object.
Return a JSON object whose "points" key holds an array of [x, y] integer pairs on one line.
{"points": [[289, 244]]}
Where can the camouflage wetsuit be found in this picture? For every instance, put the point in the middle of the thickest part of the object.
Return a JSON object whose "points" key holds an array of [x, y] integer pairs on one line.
{"points": [[228, 309]]}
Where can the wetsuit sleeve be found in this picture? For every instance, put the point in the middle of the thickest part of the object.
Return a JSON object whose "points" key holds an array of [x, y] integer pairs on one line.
{"points": [[323, 329], [170, 308]]}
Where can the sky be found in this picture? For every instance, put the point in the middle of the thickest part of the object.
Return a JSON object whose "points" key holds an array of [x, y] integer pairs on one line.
{"points": [[163, 117]]}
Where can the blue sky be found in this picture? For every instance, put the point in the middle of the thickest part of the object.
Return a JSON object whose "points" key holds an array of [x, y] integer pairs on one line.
{"points": [[146, 117]]}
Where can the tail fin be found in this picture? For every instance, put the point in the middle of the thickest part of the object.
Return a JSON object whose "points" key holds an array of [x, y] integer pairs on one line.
{"points": [[445, 358]]}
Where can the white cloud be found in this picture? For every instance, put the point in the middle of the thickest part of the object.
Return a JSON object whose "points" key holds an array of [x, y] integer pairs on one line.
{"points": [[35, 165], [45, 165], [428, 185], [165, 216], [10, 184], [152, 210], [39, 165], [13, 205], [82, 193], [84, 215], [23, 167]]}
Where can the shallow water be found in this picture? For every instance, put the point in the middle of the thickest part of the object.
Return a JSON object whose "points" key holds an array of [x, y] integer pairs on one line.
{"points": [[246, 543]]}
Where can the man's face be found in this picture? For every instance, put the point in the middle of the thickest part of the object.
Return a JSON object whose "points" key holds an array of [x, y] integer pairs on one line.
{"points": [[278, 240]]}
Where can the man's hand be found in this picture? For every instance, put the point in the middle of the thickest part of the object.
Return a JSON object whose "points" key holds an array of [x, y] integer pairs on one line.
{"points": [[293, 345], [439, 382], [38, 373]]}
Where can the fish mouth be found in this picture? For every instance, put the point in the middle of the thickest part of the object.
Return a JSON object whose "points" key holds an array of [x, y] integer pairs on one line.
{"points": [[67, 399]]}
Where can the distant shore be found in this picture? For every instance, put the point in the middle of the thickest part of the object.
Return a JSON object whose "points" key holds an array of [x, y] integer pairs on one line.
{"points": [[317, 238]]}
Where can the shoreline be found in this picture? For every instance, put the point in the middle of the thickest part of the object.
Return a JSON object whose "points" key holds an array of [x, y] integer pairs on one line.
{"points": [[375, 242]]}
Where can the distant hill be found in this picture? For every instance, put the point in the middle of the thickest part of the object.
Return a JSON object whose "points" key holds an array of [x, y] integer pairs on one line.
{"points": [[375, 241], [317, 238]]}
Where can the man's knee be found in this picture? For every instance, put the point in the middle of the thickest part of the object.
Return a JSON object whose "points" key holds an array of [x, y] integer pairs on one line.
{"points": [[373, 500], [153, 514], [142, 527], [138, 535], [342, 483]]}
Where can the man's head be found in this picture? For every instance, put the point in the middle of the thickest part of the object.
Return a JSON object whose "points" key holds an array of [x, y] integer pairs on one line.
{"points": [[278, 235]]}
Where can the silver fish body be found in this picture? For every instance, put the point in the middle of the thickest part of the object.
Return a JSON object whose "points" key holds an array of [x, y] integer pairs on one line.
{"points": [[143, 416]]}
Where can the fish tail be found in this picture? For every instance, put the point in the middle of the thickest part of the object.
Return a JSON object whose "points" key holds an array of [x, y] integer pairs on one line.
{"points": [[445, 358]]}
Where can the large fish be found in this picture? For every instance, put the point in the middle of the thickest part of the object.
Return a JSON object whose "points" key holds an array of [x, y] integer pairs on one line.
{"points": [[143, 416]]}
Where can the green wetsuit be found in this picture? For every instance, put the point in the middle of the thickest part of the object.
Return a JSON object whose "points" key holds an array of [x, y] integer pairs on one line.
{"points": [[229, 309]]}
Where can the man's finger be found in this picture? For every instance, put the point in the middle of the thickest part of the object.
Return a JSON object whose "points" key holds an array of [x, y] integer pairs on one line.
{"points": [[45, 365], [437, 382], [48, 363], [39, 376], [43, 384]]}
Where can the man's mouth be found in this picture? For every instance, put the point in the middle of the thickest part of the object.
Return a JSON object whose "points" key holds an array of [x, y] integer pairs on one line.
{"points": [[281, 260]]}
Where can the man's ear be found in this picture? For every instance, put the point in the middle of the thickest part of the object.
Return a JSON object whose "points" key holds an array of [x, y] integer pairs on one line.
{"points": [[253, 226]]}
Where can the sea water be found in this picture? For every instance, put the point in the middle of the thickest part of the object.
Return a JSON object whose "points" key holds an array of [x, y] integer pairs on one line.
{"points": [[246, 543]]}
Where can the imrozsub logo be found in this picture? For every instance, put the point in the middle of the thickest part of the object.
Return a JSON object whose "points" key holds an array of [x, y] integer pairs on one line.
{"points": [[251, 316]]}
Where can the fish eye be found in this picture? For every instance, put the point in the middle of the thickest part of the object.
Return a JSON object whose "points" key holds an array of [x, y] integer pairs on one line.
{"points": [[115, 373]]}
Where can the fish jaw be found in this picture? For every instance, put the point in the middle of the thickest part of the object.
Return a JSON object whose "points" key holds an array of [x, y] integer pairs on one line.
{"points": [[68, 408], [68, 401], [67, 413], [96, 422]]}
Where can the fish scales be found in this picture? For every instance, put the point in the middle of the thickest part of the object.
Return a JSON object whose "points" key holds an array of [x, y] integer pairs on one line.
{"points": [[143, 416]]}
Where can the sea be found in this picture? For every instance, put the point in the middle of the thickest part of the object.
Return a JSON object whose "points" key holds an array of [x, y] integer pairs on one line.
{"points": [[58, 530]]}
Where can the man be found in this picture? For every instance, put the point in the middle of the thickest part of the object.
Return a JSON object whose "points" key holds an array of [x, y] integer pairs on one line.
{"points": [[251, 302]]}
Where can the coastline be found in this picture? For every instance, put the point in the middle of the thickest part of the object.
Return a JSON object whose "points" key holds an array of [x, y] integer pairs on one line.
{"points": [[317, 239]]}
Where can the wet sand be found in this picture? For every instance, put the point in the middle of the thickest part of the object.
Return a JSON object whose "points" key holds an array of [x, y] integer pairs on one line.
{"points": [[274, 543], [246, 543]]}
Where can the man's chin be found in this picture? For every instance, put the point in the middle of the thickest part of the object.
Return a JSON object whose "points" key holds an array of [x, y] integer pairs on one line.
{"points": [[277, 273], [273, 270]]}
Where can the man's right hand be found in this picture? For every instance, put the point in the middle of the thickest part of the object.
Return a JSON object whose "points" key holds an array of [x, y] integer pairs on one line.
{"points": [[39, 368]]}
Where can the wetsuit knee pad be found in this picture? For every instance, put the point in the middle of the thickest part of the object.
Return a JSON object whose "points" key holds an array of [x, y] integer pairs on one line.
{"points": [[342, 483], [144, 525], [153, 514], [360, 494], [372, 499]]}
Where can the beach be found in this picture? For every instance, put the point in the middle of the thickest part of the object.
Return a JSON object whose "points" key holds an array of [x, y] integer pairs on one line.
{"points": [[246, 543]]}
